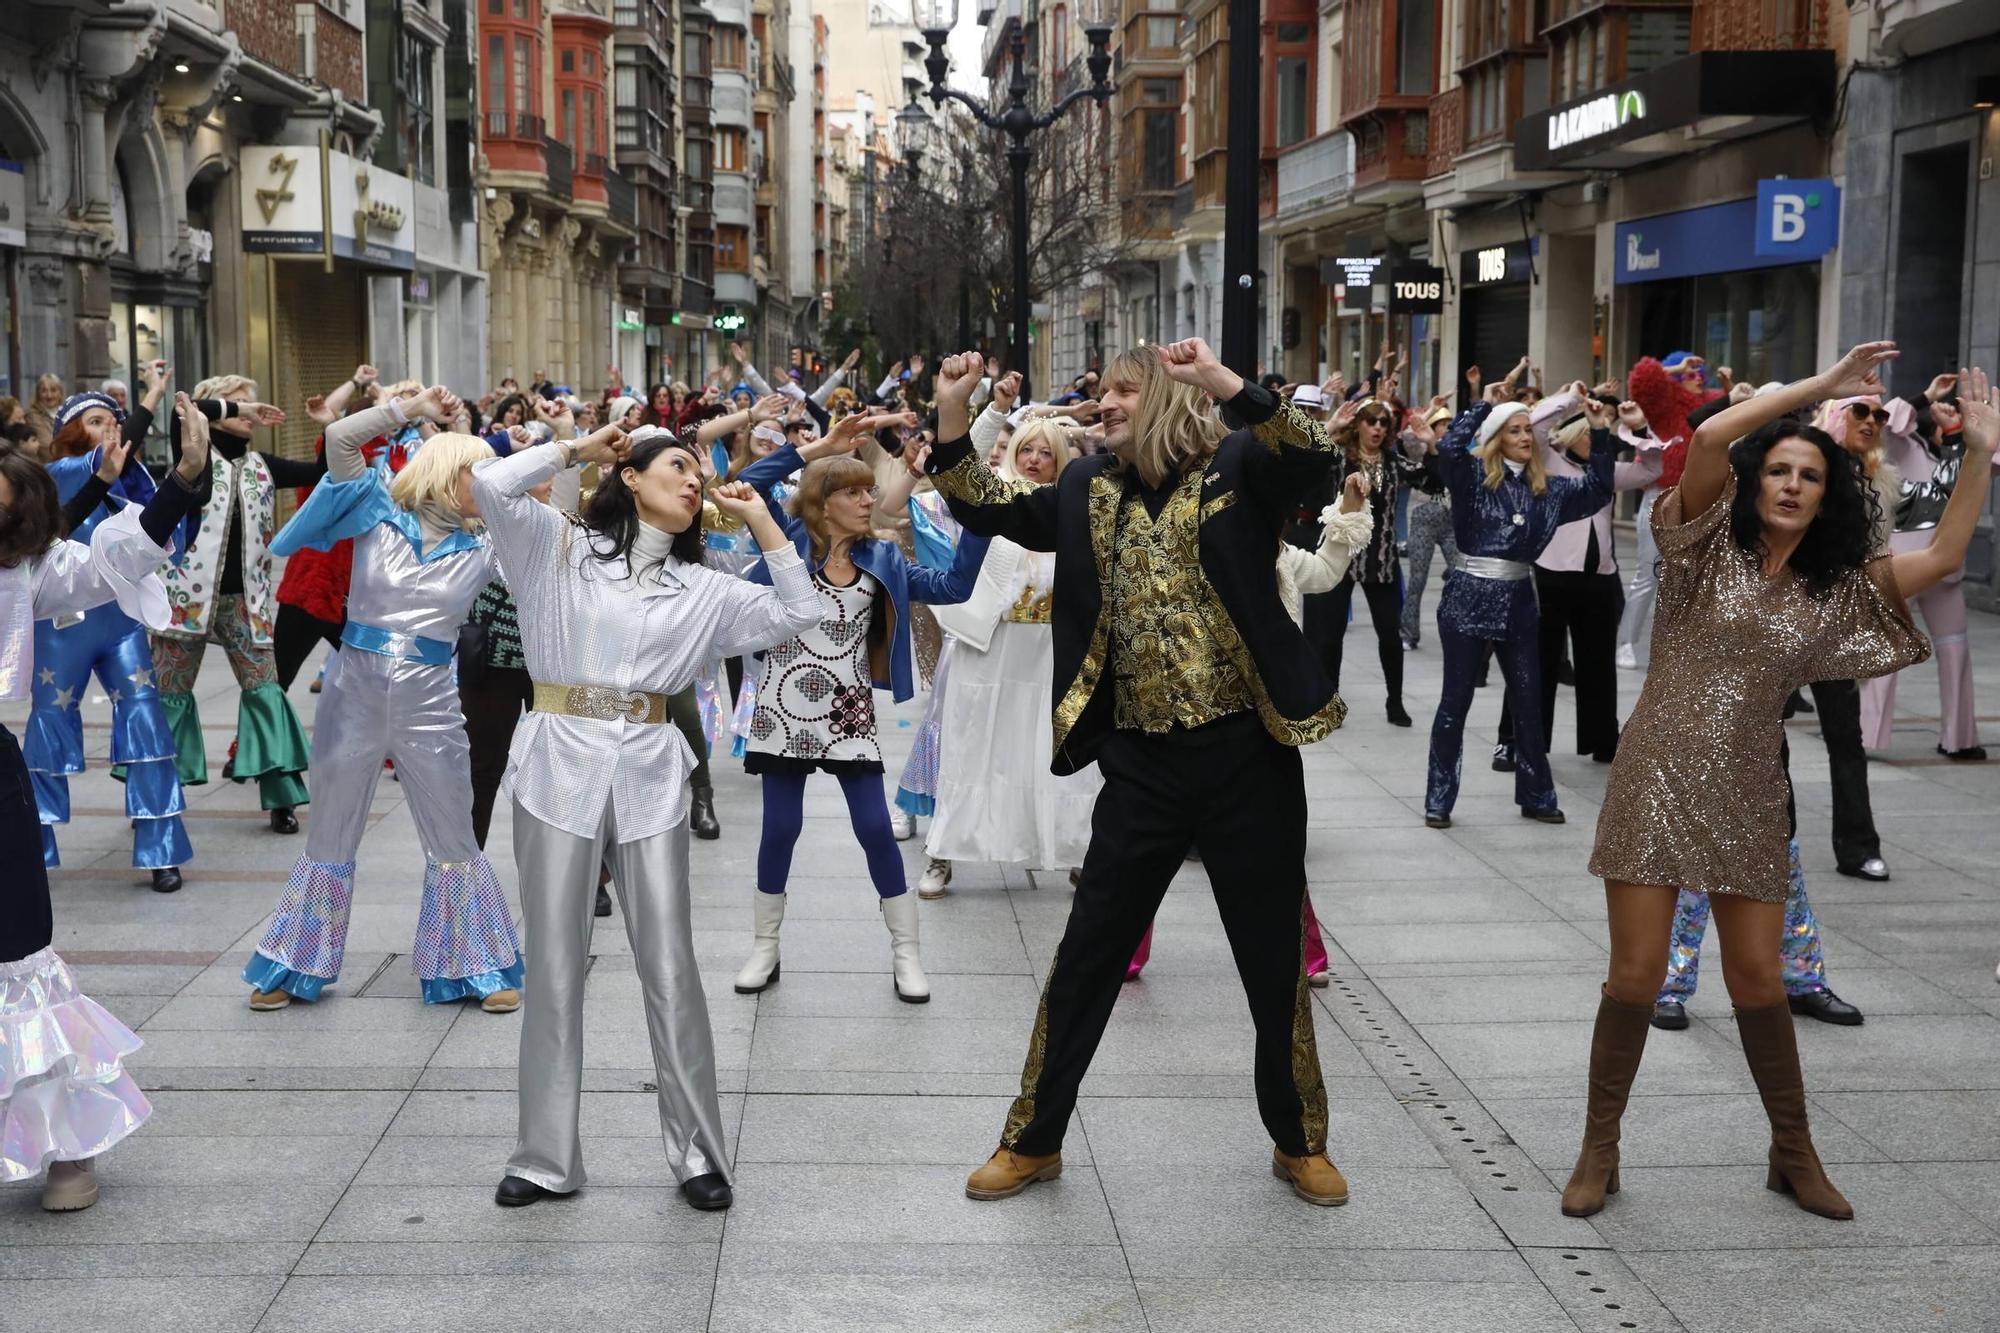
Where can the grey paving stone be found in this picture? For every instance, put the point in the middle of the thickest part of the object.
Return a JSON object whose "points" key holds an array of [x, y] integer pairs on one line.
{"points": [[1921, 1126], [64, 1261], [1685, 1129], [1471, 944], [1727, 1207], [271, 1078], [891, 1130], [992, 1045], [1204, 1258], [172, 1214], [751, 1259], [289, 1045], [101, 979], [902, 1205], [484, 1114], [203, 1304], [1974, 1186], [1214, 1305], [1938, 1290], [1540, 1059], [377, 1301], [603, 1260], [1341, 902], [998, 1300], [450, 1214], [1388, 1208], [954, 997], [232, 1013], [612, 1162], [1478, 997], [1136, 1131], [196, 1162]]}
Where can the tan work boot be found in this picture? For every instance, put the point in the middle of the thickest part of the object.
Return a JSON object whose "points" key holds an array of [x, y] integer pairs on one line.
{"points": [[72, 1187], [501, 1002], [1007, 1173], [1313, 1177], [266, 1000]]}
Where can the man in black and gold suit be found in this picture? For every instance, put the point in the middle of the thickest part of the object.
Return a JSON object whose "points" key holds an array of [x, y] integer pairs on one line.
{"points": [[1178, 672]]}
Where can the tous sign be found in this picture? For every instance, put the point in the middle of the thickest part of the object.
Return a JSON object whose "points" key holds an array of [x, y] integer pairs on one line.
{"points": [[1600, 115]]}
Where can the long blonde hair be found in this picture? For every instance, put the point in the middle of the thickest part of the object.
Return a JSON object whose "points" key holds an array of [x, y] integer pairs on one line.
{"points": [[1040, 429], [430, 481], [1175, 424]]}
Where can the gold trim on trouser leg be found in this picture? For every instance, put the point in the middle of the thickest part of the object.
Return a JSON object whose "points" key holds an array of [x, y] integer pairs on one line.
{"points": [[1023, 1109], [1306, 1076]]}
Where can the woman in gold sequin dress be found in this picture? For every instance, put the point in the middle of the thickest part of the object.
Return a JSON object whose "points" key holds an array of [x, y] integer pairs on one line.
{"points": [[996, 798], [1770, 577]]}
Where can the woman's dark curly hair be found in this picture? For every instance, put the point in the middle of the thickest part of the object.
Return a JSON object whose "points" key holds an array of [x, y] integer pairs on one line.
{"points": [[32, 521], [1841, 537], [507, 404], [613, 512]]}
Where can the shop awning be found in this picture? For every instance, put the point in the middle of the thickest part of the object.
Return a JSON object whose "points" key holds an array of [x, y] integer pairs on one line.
{"points": [[1681, 106]]}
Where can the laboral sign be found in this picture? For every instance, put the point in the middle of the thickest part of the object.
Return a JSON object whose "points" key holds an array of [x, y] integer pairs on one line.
{"points": [[1600, 115], [309, 201]]}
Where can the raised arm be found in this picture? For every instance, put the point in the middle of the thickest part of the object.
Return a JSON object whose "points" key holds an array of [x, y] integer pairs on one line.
{"points": [[1707, 468], [520, 524], [1020, 511], [1979, 409]]}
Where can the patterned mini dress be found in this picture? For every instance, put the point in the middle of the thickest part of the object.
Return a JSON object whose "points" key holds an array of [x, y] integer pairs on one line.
{"points": [[815, 700]]}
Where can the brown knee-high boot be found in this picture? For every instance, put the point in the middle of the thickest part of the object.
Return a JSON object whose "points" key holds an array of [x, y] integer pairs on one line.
{"points": [[1615, 1049], [1772, 1048]]}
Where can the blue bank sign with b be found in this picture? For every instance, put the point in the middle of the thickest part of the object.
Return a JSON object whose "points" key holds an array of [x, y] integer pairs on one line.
{"points": [[1797, 219]]}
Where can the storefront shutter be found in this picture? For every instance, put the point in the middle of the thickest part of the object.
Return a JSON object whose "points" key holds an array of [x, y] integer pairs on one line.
{"points": [[320, 336]]}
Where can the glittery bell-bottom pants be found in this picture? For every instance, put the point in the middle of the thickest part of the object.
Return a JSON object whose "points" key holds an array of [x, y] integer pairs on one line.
{"points": [[113, 645], [558, 890], [375, 707], [1943, 608], [1804, 966], [1430, 527], [1520, 663]]}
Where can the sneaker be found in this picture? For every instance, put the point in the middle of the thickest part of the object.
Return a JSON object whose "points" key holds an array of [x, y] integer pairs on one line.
{"points": [[71, 1187], [501, 1002], [1319, 980], [1503, 758], [263, 1001], [1628, 657], [937, 875], [902, 823]]}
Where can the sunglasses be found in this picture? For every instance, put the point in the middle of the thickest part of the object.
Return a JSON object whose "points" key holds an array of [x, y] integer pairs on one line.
{"points": [[1862, 411]]}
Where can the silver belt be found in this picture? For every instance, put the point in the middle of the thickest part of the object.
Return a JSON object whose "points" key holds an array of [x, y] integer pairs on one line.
{"points": [[1493, 567]]}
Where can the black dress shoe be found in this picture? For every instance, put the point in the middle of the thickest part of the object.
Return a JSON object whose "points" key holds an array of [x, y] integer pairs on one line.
{"points": [[603, 907], [710, 1193], [1503, 758], [167, 879], [1549, 816], [701, 815], [1874, 868], [1670, 1016], [515, 1192], [1432, 819], [284, 821], [1971, 754], [1398, 715], [1827, 1007]]}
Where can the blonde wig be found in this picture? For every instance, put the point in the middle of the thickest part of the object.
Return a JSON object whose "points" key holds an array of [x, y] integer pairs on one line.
{"points": [[221, 386], [1044, 430], [403, 388], [822, 478], [1175, 424], [430, 481], [1495, 459]]}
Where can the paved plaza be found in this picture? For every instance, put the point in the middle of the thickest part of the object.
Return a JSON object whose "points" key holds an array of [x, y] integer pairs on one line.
{"points": [[331, 1167]]}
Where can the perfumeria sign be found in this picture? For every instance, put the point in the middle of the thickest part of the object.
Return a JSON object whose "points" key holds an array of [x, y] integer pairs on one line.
{"points": [[1600, 115]]}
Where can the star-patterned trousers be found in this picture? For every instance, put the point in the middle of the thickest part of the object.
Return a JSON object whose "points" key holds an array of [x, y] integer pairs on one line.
{"points": [[1804, 963], [113, 646], [374, 708]]}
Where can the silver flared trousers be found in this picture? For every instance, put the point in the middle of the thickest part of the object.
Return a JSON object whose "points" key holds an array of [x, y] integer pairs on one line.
{"points": [[558, 876]]}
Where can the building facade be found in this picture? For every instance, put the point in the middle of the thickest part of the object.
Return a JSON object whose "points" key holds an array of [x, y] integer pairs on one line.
{"points": [[218, 186]]}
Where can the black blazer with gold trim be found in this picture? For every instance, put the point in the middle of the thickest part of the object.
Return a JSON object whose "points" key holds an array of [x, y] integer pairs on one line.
{"points": [[1251, 487]]}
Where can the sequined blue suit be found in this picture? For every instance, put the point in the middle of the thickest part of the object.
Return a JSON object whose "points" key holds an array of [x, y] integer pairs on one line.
{"points": [[106, 641], [1508, 522]]}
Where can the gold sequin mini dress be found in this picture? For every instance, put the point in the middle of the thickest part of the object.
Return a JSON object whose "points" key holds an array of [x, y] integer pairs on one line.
{"points": [[1696, 797]]}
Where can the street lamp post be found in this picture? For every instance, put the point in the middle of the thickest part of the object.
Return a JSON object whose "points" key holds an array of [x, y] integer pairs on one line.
{"points": [[1018, 123]]}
